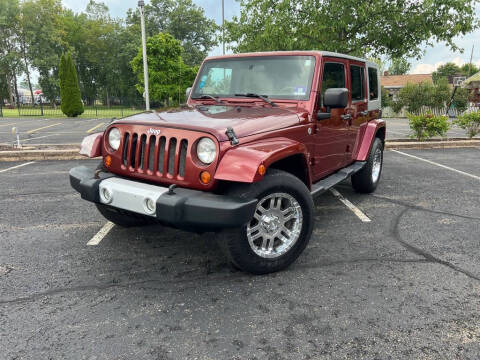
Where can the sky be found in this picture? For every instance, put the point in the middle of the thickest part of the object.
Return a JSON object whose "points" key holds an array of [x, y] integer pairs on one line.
{"points": [[433, 57]]}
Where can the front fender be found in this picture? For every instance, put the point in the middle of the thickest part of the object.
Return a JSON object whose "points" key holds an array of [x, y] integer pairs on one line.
{"points": [[366, 136], [240, 164], [92, 145]]}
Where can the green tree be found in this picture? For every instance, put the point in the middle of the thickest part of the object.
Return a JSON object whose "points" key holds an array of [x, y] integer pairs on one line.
{"points": [[184, 20], [44, 34], [386, 99], [70, 95], [10, 58], [460, 99], [399, 66], [169, 77], [445, 71], [414, 97], [359, 27], [469, 69]]}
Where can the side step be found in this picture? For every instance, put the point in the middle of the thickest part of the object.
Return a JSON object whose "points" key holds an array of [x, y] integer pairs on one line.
{"points": [[323, 185]]}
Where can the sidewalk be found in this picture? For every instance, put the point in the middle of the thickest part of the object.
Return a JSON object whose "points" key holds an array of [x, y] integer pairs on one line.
{"points": [[398, 129]]}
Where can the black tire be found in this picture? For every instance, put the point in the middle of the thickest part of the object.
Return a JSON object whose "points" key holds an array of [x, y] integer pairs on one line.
{"points": [[120, 217], [364, 181], [235, 243]]}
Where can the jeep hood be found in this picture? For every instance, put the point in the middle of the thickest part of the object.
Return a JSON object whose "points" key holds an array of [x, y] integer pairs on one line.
{"points": [[215, 120]]}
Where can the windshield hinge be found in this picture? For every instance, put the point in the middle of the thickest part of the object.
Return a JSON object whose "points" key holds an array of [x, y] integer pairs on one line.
{"points": [[231, 136]]}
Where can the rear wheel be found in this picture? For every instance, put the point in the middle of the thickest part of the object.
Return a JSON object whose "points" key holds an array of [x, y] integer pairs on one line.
{"points": [[280, 228], [367, 179]]}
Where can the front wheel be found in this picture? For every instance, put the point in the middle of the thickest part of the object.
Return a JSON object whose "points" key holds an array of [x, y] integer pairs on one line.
{"points": [[367, 179], [280, 228]]}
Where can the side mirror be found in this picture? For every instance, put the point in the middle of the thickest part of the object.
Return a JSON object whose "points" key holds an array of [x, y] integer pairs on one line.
{"points": [[187, 92], [335, 98]]}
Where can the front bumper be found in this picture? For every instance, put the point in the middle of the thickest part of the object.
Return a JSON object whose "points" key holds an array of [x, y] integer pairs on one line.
{"points": [[183, 208]]}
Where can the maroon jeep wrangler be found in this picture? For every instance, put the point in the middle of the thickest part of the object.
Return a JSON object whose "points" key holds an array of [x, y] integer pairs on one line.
{"points": [[263, 135]]}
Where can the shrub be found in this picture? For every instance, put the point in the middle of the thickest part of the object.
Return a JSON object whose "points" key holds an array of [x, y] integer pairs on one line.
{"points": [[427, 126], [469, 122], [460, 100], [414, 96], [386, 100], [71, 98]]}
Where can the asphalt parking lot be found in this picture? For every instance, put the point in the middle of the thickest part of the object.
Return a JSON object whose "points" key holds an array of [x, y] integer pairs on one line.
{"points": [[405, 285], [34, 130]]}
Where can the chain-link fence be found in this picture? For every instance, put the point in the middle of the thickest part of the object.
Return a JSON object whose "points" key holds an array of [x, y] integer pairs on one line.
{"points": [[39, 106]]}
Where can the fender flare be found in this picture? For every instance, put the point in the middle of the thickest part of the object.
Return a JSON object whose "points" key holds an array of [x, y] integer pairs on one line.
{"points": [[366, 135], [92, 145], [240, 164]]}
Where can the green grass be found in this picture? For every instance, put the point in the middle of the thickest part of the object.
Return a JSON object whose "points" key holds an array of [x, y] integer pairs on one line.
{"points": [[90, 112]]}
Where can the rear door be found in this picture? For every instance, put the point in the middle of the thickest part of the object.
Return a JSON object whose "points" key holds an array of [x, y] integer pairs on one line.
{"points": [[358, 109], [331, 134]]}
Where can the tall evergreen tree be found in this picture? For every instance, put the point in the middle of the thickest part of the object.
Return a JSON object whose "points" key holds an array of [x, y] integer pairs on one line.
{"points": [[70, 95]]}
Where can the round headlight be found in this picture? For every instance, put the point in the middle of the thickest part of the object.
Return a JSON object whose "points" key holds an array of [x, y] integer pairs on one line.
{"points": [[206, 150], [114, 138]]}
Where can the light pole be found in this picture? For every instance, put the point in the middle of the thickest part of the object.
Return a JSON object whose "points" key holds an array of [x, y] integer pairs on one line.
{"points": [[223, 25], [141, 7]]}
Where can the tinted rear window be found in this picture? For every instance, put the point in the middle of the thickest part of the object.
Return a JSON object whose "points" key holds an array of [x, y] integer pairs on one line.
{"points": [[373, 83], [357, 76]]}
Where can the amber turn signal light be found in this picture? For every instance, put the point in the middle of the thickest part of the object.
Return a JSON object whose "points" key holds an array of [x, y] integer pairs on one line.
{"points": [[108, 161], [205, 177], [262, 169]]}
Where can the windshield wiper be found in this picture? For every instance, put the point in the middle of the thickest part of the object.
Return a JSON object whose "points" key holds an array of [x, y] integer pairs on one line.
{"points": [[263, 97], [207, 96]]}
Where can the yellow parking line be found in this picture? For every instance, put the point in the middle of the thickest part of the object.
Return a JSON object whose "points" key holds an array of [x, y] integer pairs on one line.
{"points": [[8, 124], [45, 127], [95, 127]]}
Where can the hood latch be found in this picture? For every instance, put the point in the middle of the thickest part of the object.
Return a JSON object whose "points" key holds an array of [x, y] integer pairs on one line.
{"points": [[231, 136]]}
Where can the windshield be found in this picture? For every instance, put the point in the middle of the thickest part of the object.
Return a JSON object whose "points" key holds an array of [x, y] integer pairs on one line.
{"points": [[278, 77]]}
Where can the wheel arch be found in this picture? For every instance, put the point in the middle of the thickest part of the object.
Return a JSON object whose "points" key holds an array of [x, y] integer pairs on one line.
{"points": [[297, 165], [367, 134], [241, 164]]}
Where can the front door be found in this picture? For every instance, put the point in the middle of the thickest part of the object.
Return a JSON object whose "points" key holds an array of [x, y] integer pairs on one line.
{"points": [[331, 134]]}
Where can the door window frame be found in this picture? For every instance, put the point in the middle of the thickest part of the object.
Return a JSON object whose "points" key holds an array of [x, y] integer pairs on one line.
{"points": [[329, 60], [364, 85]]}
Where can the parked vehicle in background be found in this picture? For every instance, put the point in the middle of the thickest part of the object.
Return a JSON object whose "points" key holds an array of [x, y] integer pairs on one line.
{"points": [[264, 134]]}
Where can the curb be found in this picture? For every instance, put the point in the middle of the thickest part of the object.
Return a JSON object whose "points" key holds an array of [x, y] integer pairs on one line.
{"points": [[32, 155], [440, 144], [71, 151]]}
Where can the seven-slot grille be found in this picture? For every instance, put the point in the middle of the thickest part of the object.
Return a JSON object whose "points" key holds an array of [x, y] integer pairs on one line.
{"points": [[157, 155]]}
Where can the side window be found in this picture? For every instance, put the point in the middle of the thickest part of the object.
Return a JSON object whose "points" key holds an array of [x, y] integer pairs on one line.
{"points": [[333, 76], [358, 80], [373, 83]]}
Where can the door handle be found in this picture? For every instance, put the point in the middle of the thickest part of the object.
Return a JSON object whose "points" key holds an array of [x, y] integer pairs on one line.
{"points": [[364, 113], [346, 117]]}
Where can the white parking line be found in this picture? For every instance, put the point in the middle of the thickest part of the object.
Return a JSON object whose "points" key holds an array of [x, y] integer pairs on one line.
{"points": [[349, 205], [7, 124], [94, 241], [38, 137], [437, 164], [95, 127], [43, 127], [16, 167]]}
